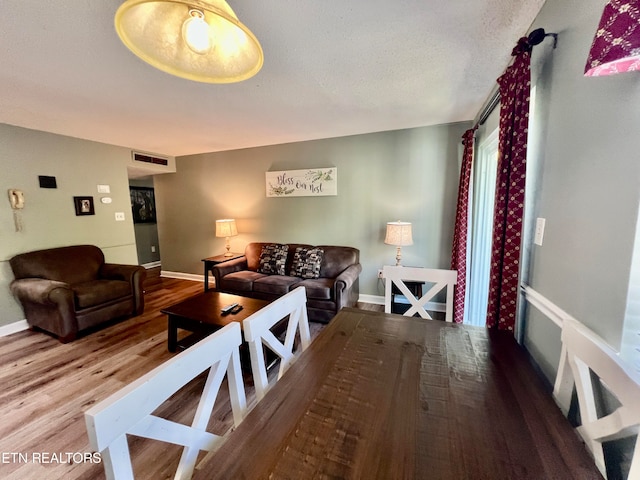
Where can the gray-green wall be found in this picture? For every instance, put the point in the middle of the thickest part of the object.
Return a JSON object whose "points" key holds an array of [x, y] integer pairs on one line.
{"points": [[409, 175], [588, 189], [49, 218]]}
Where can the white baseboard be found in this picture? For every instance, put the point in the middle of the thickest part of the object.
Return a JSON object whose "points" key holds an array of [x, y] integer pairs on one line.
{"points": [[151, 265], [14, 327], [182, 276], [373, 299]]}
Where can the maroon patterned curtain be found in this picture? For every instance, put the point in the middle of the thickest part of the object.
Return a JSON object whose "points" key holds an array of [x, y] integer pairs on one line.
{"points": [[515, 86], [459, 253]]}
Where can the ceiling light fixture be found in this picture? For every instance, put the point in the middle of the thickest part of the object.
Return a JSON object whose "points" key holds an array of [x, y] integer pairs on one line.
{"points": [[198, 40], [195, 32]]}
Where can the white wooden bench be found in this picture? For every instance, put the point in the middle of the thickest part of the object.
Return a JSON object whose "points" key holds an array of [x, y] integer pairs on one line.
{"points": [[129, 411]]}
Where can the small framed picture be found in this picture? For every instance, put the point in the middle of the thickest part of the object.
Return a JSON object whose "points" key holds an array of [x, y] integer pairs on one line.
{"points": [[84, 205]]}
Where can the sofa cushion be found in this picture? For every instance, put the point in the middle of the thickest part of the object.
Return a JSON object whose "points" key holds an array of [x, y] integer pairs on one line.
{"points": [[307, 262], [275, 284], [318, 288], [95, 292], [241, 281], [273, 258]]}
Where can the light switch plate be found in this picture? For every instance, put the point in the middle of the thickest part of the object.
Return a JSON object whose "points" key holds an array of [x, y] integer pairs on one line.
{"points": [[539, 235], [104, 189]]}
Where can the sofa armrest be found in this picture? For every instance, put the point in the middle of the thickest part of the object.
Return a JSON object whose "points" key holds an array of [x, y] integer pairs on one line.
{"points": [[230, 266], [47, 304], [346, 286], [41, 291], [133, 274], [115, 271], [347, 277]]}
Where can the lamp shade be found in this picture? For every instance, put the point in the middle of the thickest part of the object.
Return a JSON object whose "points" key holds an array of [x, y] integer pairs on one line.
{"points": [[226, 228], [616, 45], [398, 234], [195, 39]]}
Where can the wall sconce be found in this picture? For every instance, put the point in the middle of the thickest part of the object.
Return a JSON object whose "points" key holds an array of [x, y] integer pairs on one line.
{"points": [[616, 45], [226, 228], [200, 40], [398, 234]]}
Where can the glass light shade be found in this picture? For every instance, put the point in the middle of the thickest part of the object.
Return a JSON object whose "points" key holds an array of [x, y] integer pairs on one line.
{"points": [[398, 234], [160, 32], [616, 45], [195, 32], [226, 228]]}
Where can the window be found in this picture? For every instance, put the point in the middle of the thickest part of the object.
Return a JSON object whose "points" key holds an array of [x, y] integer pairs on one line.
{"points": [[484, 184]]}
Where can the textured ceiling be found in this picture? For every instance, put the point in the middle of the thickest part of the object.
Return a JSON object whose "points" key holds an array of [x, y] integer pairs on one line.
{"points": [[332, 68]]}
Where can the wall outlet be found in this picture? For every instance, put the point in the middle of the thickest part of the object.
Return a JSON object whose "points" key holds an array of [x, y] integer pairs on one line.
{"points": [[380, 273], [153, 249], [119, 216]]}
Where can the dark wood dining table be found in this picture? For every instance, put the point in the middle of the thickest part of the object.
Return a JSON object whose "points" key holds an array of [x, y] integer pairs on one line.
{"points": [[382, 396]]}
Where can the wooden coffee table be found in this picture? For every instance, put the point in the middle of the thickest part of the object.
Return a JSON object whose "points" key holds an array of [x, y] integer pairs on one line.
{"points": [[201, 315]]}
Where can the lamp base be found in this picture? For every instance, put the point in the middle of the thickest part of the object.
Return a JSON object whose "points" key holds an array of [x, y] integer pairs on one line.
{"points": [[398, 256], [228, 247]]}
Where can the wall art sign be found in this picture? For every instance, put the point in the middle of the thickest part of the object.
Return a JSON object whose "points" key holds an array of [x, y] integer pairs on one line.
{"points": [[313, 182]]}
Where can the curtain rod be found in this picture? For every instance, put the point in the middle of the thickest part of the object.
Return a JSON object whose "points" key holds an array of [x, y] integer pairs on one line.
{"points": [[489, 107], [534, 38]]}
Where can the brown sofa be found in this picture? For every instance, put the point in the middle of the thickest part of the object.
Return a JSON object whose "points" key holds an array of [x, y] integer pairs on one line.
{"points": [[69, 289], [336, 286]]}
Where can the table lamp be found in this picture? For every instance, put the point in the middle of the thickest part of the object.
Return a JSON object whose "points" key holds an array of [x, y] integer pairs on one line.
{"points": [[226, 228], [398, 234]]}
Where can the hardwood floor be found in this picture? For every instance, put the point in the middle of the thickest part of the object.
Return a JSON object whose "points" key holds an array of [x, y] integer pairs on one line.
{"points": [[47, 386]]}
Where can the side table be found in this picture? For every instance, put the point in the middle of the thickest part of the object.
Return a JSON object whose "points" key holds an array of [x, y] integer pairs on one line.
{"points": [[414, 287], [210, 262]]}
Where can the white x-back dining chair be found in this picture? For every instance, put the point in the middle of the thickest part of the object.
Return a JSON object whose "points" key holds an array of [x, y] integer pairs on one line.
{"points": [[584, 352], [129, 411], [257, 331], [438, 279]]}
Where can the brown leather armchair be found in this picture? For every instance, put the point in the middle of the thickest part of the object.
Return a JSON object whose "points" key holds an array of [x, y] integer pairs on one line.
{"points": [[69, 289]]}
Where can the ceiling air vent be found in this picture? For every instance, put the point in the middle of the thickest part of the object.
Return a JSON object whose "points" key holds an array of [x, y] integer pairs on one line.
{"points": [[141, 157]]}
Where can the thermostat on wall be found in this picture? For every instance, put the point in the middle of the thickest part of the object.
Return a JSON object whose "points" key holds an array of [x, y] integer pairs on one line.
{"points": [[106, 200]]}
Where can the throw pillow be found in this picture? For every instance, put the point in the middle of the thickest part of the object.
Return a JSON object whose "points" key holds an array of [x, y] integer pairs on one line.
{"points": [[306, 262], [273, 258]]}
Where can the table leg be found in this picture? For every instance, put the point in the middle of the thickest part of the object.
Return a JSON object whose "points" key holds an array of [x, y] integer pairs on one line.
{"points": [[206, 276], [172, 334]]}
